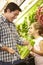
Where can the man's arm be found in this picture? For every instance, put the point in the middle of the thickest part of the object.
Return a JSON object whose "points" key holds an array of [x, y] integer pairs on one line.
{"points": [[7, 49]]}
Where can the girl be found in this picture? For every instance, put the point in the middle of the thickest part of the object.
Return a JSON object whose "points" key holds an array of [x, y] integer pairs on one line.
{"points": [[36, 30]]}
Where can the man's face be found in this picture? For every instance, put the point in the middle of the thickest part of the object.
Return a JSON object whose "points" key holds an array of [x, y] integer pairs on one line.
{"points": [[13, 15]]}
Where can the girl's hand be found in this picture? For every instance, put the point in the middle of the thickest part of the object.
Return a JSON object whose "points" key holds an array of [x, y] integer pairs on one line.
{"points": [[30, 47]]}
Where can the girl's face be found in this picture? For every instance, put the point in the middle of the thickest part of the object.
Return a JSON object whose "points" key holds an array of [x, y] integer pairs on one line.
{"points": [[32, 30], [12, 15]]}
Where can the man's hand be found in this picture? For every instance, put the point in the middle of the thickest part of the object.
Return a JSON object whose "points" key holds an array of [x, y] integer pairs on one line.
{"points": [[11, 51], [7, 49]]}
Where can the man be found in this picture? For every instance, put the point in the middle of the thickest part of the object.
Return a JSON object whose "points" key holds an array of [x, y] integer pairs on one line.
{"points": [[9, 36]]}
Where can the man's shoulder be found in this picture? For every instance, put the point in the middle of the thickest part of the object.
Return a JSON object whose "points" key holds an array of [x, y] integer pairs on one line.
{"points": [[2, 19]]}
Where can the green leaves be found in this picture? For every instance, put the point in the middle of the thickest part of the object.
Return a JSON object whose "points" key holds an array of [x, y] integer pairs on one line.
{"points": [[32, 18], [23, 28]]}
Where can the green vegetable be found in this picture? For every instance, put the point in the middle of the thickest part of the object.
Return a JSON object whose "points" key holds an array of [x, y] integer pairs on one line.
{"points": [[23, 51]]}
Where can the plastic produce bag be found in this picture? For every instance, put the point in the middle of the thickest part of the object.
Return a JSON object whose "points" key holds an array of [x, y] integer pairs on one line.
{"points": [[23, 51]]}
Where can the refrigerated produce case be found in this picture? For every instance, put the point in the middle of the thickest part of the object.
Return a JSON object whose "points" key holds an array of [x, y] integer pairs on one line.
{"points": [[28, 10], [26, 17], [24, 20]]}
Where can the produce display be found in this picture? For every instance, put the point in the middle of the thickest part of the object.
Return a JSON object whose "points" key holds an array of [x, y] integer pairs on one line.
{"points": [[39, 15]]}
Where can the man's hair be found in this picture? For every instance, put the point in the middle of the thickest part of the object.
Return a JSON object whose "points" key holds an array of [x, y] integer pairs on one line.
{"points": [[12, 6]]}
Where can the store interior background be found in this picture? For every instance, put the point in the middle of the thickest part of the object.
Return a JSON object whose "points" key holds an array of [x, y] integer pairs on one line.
{"points": [[26, 17]]}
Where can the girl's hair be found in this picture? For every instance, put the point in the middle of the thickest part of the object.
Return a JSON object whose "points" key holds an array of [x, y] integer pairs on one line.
{"points": [[38, 27]]}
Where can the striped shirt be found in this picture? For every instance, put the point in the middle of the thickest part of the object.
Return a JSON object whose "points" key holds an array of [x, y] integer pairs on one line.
{"points": [[8, 37]]}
